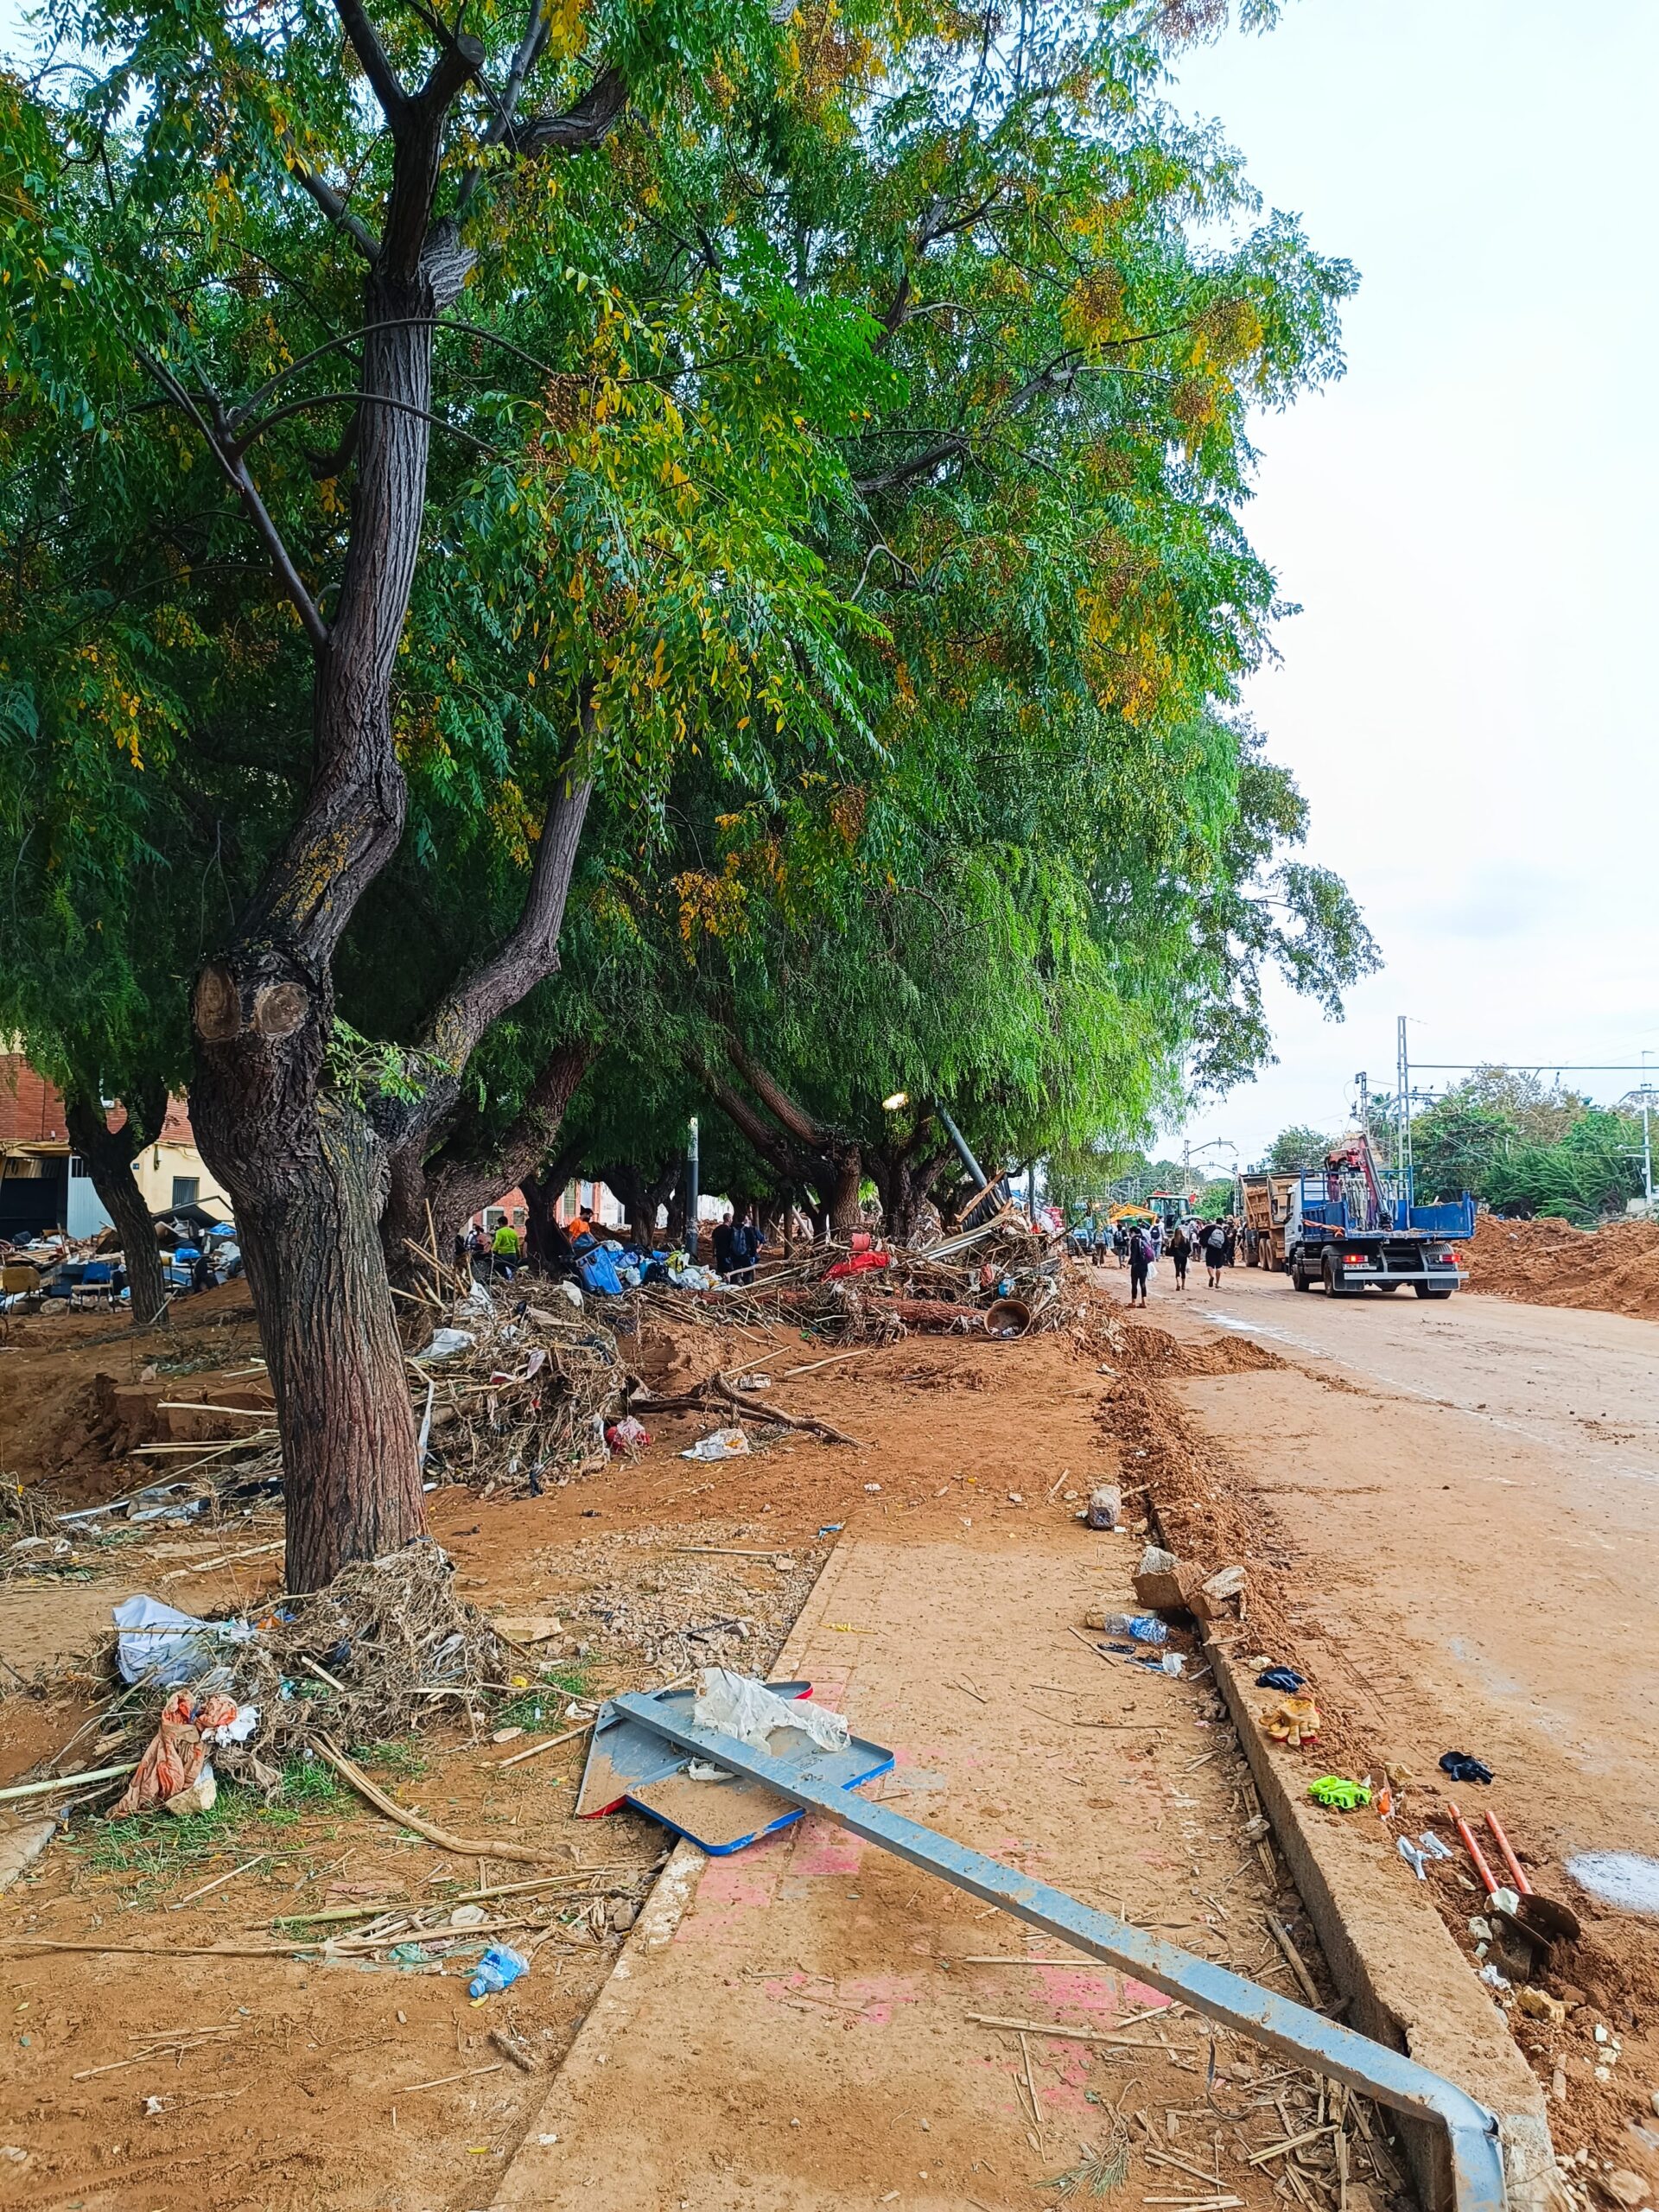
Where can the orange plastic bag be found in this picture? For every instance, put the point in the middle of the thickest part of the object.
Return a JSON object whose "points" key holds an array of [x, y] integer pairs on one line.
{"points": [[176, 1753]]}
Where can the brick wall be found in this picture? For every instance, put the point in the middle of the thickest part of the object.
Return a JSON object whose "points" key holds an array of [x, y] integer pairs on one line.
{"points": [[31, 1108]]}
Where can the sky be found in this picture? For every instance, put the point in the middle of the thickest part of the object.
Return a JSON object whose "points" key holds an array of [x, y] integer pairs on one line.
{"points": [[1466, 521]]}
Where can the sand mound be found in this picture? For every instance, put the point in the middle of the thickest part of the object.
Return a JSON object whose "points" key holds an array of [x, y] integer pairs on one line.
{"points": [[1615, 1270]]}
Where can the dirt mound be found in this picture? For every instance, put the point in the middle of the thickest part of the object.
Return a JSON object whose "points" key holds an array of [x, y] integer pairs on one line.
{"points": [[1613, 1270]]}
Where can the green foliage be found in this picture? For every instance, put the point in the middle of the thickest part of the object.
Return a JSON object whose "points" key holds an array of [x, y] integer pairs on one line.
{"points": [[1215, 1200], [1590, 1173], [1297, 1151], [844, 464]]}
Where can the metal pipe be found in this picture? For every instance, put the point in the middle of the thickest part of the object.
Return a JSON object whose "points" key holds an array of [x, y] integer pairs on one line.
{"points": [[961, 1143], [1296, 2032]]}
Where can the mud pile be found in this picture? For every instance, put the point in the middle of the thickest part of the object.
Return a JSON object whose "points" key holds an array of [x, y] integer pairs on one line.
{"points": [[1614, 1270]]}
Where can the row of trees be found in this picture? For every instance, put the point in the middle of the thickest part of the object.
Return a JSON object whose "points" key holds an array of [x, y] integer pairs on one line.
{"points": [[1522, 1146], [568, 568]]}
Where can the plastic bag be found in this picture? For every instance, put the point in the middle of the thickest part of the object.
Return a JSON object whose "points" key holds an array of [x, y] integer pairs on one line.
{"points": [[175, 1760], [737, 1705], [724, 1444], [160, 1645], [447, 1342]]}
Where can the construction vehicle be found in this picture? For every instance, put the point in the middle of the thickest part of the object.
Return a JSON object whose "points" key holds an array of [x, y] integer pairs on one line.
{"points": [[1264, 1209], [1352, 1227]]}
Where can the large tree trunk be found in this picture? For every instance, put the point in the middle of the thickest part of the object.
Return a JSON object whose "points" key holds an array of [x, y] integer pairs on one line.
{"points": [[109, 1155], [310, 1242], [840, 1193], [300, 1169]]}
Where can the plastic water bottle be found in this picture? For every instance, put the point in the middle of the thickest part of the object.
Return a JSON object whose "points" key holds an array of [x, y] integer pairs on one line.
{"points": [[1139, 1628], [498, 1969]]}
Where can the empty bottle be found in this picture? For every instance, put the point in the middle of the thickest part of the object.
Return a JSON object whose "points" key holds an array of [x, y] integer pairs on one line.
{"points": [[498, 1969], [1139, 1628]]}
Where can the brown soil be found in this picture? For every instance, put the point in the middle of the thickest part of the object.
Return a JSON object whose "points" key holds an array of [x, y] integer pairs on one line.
{"points": [[970, 1444], [1611, 1270]]}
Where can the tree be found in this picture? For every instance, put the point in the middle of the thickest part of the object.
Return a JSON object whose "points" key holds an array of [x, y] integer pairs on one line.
{"points": [[470, 489], [1297, 1151], [1455, 1145], [1588, 1175], [180, 234]]}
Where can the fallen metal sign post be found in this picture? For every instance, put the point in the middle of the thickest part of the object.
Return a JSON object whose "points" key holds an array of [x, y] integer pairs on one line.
{"points": [[1294, 2031]]}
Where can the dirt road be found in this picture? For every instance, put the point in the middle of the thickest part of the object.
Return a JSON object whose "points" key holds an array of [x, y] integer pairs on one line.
{"points": [[1467, 1495]]}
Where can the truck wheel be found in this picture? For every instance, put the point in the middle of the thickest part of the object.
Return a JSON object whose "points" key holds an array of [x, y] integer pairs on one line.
{"points": [[1298, 1275], [1427, 1290]]}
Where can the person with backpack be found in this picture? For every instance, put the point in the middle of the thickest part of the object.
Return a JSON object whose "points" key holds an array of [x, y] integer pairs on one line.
{"points": [[1215, 1253], [1180, 1249], [1140, 1263]]}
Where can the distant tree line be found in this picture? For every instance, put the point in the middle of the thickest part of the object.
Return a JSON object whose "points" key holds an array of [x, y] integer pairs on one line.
{"points": [[1523, 1147]]}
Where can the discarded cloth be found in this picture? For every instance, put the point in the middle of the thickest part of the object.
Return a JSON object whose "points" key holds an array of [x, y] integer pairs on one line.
{"points": [[1294, 1720], [176, 1756], [737, 1705], [1280, 1678], [1462, 1768], [861, 1263], [158, 1643], [1336, 1789], [628, 1435], [723, 1444]]}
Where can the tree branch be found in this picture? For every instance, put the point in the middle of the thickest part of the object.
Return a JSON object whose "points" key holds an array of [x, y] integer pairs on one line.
{"points": [[584, 124], [358, 399], [235, 475], [332, 205], [388, 88]]}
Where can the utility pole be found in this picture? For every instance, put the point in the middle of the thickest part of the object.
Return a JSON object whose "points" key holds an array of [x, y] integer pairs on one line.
{"points": [[1647, 1135], [1402, 1070], [1364, 1081], [692, 1164]]}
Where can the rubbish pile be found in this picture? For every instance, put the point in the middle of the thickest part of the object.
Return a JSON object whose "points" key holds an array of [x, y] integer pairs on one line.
{"points": [[384, 1649], [1003, 1278], [507, 1391]]}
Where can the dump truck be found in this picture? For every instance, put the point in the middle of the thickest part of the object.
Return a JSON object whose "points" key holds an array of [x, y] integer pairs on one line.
{"points": [[1266, 1209], [1350, 1227]]}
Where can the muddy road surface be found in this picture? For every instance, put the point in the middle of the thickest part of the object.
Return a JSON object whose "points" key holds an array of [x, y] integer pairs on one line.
{"points": [[1466, 1494]]}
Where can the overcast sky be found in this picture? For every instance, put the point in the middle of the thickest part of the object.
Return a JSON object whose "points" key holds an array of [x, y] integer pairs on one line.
{"points": [[1467, 520]]}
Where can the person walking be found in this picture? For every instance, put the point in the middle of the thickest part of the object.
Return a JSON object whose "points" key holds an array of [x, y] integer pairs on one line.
{"points": [[1180, 1250], [1140, 1264], [1215, 1253]]}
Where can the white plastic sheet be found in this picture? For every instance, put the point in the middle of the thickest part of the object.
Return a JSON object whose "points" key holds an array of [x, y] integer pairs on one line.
{"points": [[159, 1645], [739, 1705]]}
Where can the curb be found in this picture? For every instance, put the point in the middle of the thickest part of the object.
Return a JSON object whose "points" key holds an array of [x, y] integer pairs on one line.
{"points": [[1406, 1982]]}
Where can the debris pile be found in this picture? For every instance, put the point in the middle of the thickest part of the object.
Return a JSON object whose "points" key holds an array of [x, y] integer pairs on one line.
{"points": [[511, 1393], [381, 1651], [1614, 1269], [1002, 1278]]}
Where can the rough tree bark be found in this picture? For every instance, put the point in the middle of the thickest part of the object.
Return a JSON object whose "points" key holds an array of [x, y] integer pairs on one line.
{"points": [[304, 1169], [799, 1147], [457, 1180], [904, 1175], [414, 1130], [109, 1155]]}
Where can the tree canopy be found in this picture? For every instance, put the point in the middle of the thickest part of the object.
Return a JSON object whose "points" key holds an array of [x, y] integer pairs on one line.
{"points": [[613, 559]]}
